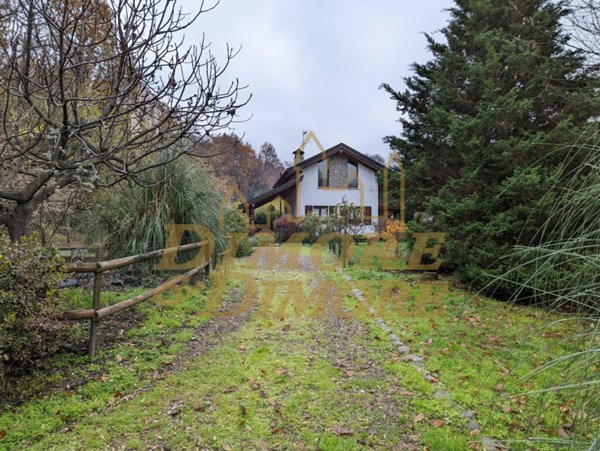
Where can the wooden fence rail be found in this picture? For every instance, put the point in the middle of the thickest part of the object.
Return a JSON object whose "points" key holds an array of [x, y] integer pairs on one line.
{"points": [[95, 314]]}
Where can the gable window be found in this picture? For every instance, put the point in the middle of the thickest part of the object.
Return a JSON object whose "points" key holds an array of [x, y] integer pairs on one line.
{"points": [[352, 175], [324, 174]]}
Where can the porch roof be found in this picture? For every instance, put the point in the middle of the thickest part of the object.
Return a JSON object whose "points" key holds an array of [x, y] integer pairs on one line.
{"points": [[267, 197]]}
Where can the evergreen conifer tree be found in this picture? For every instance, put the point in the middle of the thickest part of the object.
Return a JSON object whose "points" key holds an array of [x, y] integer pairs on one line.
{"points": [[488, 123]]}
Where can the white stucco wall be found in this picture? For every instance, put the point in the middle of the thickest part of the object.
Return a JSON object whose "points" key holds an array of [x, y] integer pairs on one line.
{"points": [[311, 194]]}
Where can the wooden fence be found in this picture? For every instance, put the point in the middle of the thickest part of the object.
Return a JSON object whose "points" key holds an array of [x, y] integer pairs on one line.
{"points": [[95, 314]]}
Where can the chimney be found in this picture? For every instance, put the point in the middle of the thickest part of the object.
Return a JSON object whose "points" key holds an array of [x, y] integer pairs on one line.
{"points": [[298, 156]]}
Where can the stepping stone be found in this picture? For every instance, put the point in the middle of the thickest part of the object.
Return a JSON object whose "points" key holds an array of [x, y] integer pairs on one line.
{"points": [[403, 349], [430, 378], [371, 310], [489, 444], [394, 338], [412, 358], [468, 415], [473, 426], [441, 394], [419, 365]]}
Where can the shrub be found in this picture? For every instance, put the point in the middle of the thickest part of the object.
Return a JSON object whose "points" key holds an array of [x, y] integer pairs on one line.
{"points": [[265, 238], [246, 246], [310, 224], [284, 228], [235, 220], [129, 219], [30, 305], [260, 217]]}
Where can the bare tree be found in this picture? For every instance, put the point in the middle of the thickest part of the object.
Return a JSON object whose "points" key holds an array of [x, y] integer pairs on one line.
{"points": [[93, 91], [583, 23]]}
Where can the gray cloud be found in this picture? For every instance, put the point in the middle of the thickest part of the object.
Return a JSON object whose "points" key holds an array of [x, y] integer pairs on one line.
{"points": [[317, 65]]}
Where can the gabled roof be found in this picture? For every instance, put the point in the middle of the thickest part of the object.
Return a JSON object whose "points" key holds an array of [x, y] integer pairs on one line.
{"points": [[340, 148]]}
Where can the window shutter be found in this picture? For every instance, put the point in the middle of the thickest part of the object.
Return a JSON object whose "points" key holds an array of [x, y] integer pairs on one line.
{"points": [[308, 209]]}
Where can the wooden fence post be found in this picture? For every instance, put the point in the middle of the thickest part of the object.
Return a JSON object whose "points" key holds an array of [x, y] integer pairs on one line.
{"points": [[95, 304]]}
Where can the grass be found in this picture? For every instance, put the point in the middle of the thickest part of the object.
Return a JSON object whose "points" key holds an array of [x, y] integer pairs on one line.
{"points": [[292, 376], [376, 255], [53, 401], [486, 352]]}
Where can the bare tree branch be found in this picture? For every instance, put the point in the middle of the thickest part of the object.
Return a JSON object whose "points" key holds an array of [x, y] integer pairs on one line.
{"points": [[95, 91]]}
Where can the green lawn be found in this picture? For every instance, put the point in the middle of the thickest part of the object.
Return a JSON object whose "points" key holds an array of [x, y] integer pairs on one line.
{"points": [[273, 354]]}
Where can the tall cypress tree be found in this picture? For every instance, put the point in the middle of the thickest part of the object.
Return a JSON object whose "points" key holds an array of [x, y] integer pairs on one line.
{"points": [[487, 125]]}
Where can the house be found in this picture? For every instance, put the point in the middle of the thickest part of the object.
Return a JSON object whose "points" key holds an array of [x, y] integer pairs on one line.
{"points": [[319, 183]]}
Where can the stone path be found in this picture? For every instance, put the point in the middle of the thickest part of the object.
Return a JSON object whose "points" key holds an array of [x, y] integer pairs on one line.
{"points": [[418, 361]]}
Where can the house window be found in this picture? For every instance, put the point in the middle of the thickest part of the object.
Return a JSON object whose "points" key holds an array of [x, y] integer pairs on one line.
{"points": [[320, 211], [367, 217], [324, 174], [352, 175]]}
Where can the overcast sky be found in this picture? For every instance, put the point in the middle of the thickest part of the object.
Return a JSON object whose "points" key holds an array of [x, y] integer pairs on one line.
{"points": [[317, 65]]}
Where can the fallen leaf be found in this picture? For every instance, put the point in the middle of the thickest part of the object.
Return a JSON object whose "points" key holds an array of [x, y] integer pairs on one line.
{"points": [[281, 371], [475, 432], [200, 406], [226, 447], [103, 378], [437, 423], [175, 409], [119, 358], [118, 394], [341, 430], [420, 417], [500, 388], [243, 411], [2, 434], [242, 346], [349, 373], [276, 430], [506, 409], [560, 431]]}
